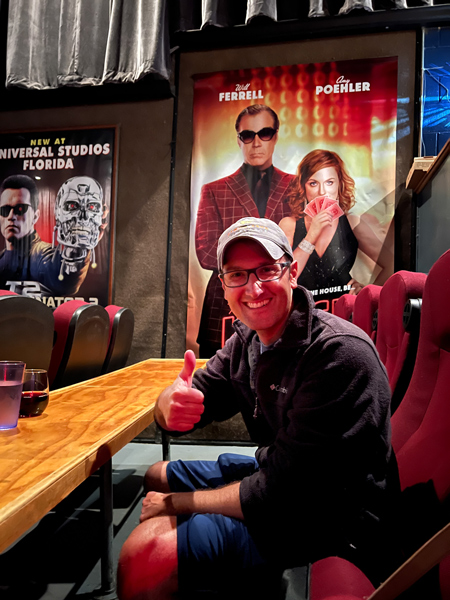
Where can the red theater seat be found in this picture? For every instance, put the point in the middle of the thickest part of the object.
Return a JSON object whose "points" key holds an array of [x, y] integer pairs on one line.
{"points": [[396, 345], [26, 330], [336, 578], [421, 440], [365, 308], [121, 327], [421, 425], [82, 332], [344, 306]]}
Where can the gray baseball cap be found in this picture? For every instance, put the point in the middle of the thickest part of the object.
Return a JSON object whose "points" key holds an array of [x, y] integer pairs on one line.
{"points": [[264, 231]]}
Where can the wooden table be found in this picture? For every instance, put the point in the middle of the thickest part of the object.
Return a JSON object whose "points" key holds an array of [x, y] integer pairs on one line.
{"points": [[84, 425]]}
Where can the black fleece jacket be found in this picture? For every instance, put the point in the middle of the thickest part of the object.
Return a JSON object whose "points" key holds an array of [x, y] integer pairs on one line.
{"points": [[317, 405]]}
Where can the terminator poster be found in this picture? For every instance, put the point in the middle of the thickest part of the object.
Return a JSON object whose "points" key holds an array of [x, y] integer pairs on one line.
{"points": [[309, 146], [56, 212]]}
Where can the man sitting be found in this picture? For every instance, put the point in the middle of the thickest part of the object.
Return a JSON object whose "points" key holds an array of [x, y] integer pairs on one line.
{"points": [[315, 399]]}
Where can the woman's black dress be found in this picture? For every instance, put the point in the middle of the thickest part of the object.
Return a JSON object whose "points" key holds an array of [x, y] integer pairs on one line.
{"points": [[333, 269]]}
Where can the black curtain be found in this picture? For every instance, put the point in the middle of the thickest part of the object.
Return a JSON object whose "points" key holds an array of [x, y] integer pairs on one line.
{"points": [[54, 43], [186, 15]]}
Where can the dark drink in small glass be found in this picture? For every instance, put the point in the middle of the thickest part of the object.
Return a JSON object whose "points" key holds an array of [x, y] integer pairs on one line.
{"points": [[33, 403], [34, 393]]}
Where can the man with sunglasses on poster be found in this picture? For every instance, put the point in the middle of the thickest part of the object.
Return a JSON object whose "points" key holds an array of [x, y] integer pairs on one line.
{"points": [[28, 265], [315, 399], [256, 189]]}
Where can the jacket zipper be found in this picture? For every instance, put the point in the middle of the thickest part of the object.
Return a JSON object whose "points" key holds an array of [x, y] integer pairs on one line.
{"points": [[255, 412]]}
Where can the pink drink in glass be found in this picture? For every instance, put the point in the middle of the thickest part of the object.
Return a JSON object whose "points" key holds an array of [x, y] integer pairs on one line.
{"points": [[10, 395], [11, 378]]}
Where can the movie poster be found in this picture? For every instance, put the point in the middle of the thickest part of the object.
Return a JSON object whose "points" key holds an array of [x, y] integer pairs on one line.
{"points": [[56, 214], [319, 158]]}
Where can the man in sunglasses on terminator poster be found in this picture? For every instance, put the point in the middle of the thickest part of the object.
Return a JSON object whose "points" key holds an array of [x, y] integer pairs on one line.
{"points": [[256, 189], [51, 269]]}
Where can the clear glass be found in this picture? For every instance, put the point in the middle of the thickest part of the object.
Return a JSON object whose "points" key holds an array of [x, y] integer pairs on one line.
{"points": [[11, 376], [240, 277], [34, 393]]}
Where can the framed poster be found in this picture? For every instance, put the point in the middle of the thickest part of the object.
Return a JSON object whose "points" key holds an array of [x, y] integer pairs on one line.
{"points": [[57, 214], [322, 138]]}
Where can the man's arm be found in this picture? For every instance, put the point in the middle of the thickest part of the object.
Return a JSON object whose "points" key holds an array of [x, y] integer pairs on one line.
{"points": [[179, 406], [221, 501], [209, 227]]}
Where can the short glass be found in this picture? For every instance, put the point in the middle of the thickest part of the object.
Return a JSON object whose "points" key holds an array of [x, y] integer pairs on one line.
{"points": [[34, 393], [11, 376]]}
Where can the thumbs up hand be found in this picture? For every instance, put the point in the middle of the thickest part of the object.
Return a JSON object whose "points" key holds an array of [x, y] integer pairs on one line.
{"points": [[188, 368], [180, 406]]}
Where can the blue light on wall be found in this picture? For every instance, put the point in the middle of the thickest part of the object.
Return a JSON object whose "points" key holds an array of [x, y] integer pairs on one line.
{"points": [[436, 90]]}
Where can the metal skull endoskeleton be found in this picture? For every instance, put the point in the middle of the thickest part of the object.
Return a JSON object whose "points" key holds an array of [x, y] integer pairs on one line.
{"points": [[78, 215]]}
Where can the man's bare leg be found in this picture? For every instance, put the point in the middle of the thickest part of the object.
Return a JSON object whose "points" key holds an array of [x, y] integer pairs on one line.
{"points": [[148, 562], [155, 479]]}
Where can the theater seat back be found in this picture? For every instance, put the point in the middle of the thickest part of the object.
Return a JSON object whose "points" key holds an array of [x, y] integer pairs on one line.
{"points": [[421, 425], [26, 330], [82, 332], [121, 327], [344, 306], [334, 578], [365, 308], [396, 346]]}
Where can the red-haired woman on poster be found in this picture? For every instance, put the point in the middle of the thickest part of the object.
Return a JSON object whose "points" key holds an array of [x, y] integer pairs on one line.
{"points": [[324, 236]]}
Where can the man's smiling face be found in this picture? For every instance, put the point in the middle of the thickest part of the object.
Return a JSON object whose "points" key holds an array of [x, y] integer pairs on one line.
{"points": [[262, 306]]}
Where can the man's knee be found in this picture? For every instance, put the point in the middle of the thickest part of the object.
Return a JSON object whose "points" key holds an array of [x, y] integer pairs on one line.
{"points": [[148, 562], [155, 479]]}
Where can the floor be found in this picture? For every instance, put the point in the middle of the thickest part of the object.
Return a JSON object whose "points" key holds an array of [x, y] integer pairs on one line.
{"points": [[59, 558]]}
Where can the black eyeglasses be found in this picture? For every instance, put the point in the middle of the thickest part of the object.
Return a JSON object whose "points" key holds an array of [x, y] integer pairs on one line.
{"points": [[265, 134], [238, 278], [18, 209]]}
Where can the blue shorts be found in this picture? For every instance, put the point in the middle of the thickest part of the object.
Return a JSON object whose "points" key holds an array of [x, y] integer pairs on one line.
{"points": [[217, 553]]}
